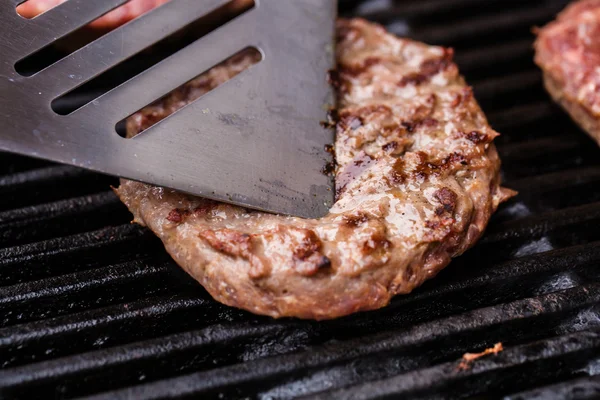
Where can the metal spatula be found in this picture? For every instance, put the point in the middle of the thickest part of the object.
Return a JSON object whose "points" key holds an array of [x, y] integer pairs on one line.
{"points": [[255, 141]]}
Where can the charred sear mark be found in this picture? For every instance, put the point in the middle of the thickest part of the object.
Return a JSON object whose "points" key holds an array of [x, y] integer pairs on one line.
{"points": [[439, 223], [428, 68], [359, 68], [332, 119], [178, 215], [308, 259], [447, 198], [329, 168], [235, 244], [477, 137], [356, 219], [424, 168], [412, 126], [365, 113], [377, 242], [337, 81], [465, 95], [228, 241], [205, 208]]}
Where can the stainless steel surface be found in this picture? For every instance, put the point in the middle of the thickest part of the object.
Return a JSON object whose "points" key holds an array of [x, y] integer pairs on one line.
{"points": [[255, 141]]}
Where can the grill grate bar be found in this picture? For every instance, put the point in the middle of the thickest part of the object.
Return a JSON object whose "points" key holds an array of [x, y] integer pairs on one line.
{"points": [[51, 220], [12, 163], [557, 180], [522, 116], [542, 224], [94, 288], [581, 389], [78, 252], [516, 317], [210, 341], [416, 10], [494, 89], [486, 59], [104, 327], [511, 368], [40, 185], [505, 282], [513, 23], [532, 149]]}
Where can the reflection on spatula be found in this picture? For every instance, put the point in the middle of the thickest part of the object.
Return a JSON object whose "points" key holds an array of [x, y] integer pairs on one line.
{"points": [[254, 141]]}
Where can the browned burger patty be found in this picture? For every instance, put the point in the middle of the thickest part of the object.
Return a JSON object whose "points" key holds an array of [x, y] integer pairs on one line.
{"points": [[568, 51], [417, 180]]}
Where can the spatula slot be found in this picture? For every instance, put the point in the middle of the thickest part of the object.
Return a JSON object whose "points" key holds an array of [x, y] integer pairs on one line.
{"points": [[193, 89], [140, 62], [65, 45], [29, 10]]}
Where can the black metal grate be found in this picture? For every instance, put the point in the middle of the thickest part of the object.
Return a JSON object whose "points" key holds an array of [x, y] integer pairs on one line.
{"points": [[91, 305]]}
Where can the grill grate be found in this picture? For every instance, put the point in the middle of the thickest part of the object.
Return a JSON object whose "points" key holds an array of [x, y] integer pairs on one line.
{"points": [[92, 306]]}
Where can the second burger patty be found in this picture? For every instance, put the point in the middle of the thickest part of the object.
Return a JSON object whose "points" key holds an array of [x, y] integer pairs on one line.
{"points": [[568, 51], [417, 180]]}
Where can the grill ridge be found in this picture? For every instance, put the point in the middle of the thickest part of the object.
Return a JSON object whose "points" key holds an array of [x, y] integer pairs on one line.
{"points": [[92, 306]]}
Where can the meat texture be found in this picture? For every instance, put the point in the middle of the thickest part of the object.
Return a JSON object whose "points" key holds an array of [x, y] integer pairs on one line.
{"points": [[417, 179], [568, 51]]}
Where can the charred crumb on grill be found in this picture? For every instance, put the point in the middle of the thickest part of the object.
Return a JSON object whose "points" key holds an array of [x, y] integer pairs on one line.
{"points": [[447, 198]]}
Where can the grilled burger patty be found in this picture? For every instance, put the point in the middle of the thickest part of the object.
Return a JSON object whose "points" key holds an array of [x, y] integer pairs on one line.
{"points": [[417, 179], [568, 51]]}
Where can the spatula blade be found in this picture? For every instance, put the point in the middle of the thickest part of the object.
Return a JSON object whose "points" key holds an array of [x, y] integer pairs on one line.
{"points": [[255, 141]]}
